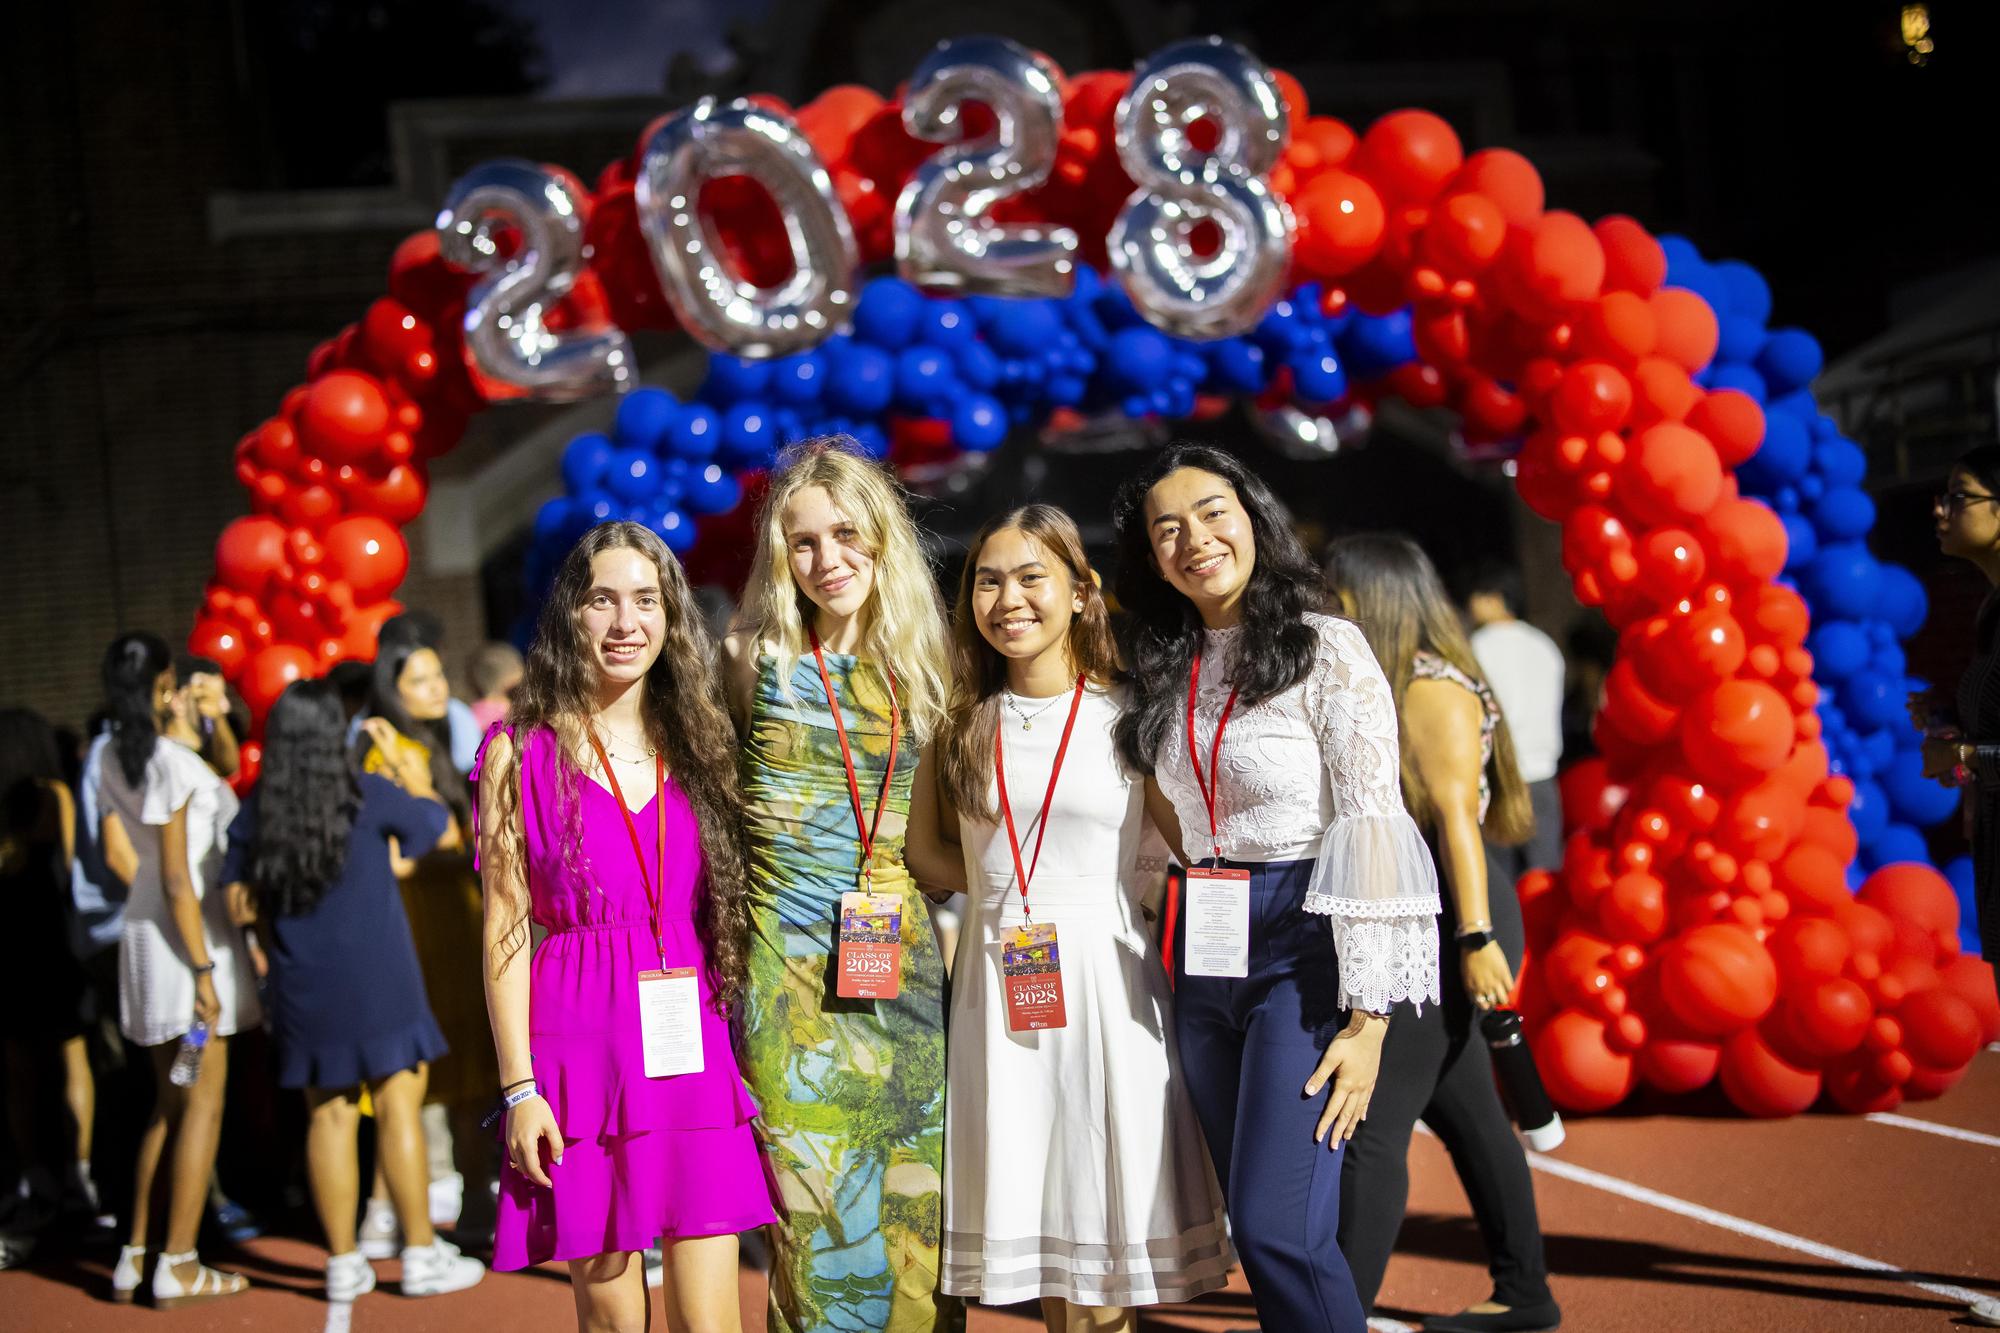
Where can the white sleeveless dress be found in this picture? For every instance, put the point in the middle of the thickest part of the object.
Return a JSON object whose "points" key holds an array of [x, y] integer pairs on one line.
{"points": [[1074, 1165]]}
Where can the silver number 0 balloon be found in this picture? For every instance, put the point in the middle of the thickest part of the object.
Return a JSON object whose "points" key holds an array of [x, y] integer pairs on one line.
{"points": [[1180, 187], [717, 305], [943, 236], [509, 348]]}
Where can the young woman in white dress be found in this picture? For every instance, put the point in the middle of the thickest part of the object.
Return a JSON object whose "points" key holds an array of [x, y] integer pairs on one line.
{"points": [[1074, 1165]]}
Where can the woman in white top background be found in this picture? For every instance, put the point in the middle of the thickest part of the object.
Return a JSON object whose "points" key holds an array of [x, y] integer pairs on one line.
{"points": [[1271, 735], [1074, 1167], [165, 818]]}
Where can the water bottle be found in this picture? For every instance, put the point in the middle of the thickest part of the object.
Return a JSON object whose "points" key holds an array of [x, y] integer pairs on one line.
{"points": [[187, 1061], [1521, 1081]]}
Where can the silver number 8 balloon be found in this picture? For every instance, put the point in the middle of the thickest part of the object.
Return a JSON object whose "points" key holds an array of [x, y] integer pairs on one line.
{"points": [[718, 306], [509, 348], [943, 236], [1152, 243]]}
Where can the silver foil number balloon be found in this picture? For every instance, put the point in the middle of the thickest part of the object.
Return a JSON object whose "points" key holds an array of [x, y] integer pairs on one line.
{"points": [[1183, 191], [719, 306], [509, 348], [944, 238]]}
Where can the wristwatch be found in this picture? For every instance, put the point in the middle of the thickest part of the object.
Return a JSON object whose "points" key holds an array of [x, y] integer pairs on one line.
{"points": [[1472, 940]]}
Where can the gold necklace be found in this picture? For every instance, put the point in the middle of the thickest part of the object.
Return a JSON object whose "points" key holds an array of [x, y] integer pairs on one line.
{"points": [[647, 752]]}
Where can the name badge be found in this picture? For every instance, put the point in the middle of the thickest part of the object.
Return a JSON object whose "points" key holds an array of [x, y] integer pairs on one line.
{"points": [[670, 1022], [1217, 912], [871, 946], [1032, 969]]}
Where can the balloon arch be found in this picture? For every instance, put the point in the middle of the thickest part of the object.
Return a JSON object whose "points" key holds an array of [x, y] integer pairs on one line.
{"points": [[1704, 925]]}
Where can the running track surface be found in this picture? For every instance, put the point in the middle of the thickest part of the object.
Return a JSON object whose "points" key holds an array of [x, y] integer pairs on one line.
{"points": [[1674, 1218]]}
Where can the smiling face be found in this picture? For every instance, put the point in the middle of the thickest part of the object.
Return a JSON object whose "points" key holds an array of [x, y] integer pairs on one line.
{"points": [[829, 560], [1968, 517], [1023, 598], [1201, 539], [422, 687], [624, 615]]}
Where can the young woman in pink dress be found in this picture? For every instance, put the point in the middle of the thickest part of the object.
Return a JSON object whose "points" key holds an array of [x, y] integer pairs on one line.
{"points": [[608, 816]]}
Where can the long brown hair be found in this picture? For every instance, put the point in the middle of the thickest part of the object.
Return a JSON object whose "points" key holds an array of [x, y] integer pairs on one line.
{"points": [[979, 673], [684, 718], [1402, 609]]}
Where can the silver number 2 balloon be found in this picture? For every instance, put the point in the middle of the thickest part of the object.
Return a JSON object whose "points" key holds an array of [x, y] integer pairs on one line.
{"points": [[509, 348], [1152, 243], [717, 305], [944, 238]]}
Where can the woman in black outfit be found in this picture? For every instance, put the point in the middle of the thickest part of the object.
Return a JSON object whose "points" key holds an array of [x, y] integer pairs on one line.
{"points": [[1458, 772]]}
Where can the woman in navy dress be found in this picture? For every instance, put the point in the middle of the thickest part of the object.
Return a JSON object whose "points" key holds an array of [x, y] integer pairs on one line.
{"points": [[348, 1005]]}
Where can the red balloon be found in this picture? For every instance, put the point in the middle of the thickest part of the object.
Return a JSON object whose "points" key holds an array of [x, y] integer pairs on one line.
{"points": [[1688, 329], [1554, 266], [309, 506], [1578, 1065], [1506, 178], [1661, 391], [1717, 979], [266, 675], [1464, 235], [1853, 1085], [1635, 908], [358, 636], [1913, 892], [1761, 1082], [1925, 1083], [1589, 797], [1971, 979], [344, 417], [1618, 329], [1591, 397], [1828, 1018], [248, 552], [1760, 821], [1676, 1066], [220, 642], [1737, 732], [1633, 710], [1940, 1030], [398, 497], [1411, 154], [1749, 541], [368, 554], [1320, 142], [1733, 421], [1691, 654], [1671, 475], [394, 334], [1774, 614], [1342, 221], [1633, 260]]}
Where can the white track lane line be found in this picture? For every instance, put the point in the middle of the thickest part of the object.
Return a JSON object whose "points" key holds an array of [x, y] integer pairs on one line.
{"points": [[1943, 1131], [1625, 1189]]}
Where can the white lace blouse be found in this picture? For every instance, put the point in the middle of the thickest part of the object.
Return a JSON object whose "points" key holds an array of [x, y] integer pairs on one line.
{"points": [[1315, 774]]}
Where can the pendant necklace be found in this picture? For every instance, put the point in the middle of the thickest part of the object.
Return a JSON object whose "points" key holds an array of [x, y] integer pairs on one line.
{"points": [[1027, 718]]}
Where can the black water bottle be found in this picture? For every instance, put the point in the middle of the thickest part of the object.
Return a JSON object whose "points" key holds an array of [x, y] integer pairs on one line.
{"points": [[1520, 1081]]}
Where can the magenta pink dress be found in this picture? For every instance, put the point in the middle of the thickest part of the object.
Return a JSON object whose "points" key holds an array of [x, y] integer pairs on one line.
{"points": [[643, 1157]]}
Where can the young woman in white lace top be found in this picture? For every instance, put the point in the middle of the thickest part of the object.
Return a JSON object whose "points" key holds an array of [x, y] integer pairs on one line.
{"points": [[1229, 646]]}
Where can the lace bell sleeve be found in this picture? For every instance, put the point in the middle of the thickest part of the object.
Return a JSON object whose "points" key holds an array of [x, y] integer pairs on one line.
{"points": [[1374, 877]]}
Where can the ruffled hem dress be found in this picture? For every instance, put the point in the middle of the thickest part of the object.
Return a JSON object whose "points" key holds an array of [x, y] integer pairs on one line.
{"points": [[642, 1157]]}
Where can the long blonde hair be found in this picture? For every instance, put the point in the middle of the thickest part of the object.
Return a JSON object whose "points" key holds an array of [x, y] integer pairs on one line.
{"points": [[905, 627], [1401, 606]]}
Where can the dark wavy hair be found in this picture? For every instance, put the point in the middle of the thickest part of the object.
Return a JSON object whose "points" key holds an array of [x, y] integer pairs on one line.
{"points": [[1164, 629], [980, 673], [394, 651], [131, 664], [684, 717], [307, 795], [28, 762]]}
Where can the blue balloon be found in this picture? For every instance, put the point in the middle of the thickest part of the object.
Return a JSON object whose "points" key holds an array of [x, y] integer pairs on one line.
{"points": [[644, 416], [887, 313], [1801, 542], [1798, 403], [1873, 701], [860, 378], [1374, 345], [1023, 328], [1897, 842], [1888, 660], [712, 491], [1845, 579], [1749, 295], [1066, 390], [1783, 457], [978, 422], [633, 476], [584, 461], [946, 323], [1902, 601], [1843, 513], [749, 434], [731, 379], [696, 434], [1872, 751], [1959, 873], [1790, 360], [1319, 379], [978, 364], [552, 522], [1236, 365], [594, 507], [924, 378], [1743, 379], [675, 528], [1869, 811], [1681, 254], [1740, 339], [1141, 359], [1841, 462], [1839, 648], [868, 437], [799, 378]]}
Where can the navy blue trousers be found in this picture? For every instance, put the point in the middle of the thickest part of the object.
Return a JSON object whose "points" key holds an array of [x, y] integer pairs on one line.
{"points": [[1247, 1047]]}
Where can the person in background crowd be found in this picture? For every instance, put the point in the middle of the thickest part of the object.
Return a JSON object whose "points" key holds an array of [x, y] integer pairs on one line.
{"points": [[1271, 735], [1524, 669], [1591, 646], [310, 850], [495, 671], [620, 701], [45, 998], [442, 899], [1075, 1169], [461, 731], [200, 717], [164, 817], [1459, 772], [837, 677]]}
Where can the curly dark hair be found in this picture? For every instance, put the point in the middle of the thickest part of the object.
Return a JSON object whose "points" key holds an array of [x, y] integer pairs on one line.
{"points": [[132, 664], [307, 796], [685, 718], [1163, 629]]}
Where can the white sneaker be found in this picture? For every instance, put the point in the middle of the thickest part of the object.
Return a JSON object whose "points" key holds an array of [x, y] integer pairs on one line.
{"points": [[127, 1273], [655, 1260], [348, 1276], [436, 1268], [447, 1199], [380, 1237]]}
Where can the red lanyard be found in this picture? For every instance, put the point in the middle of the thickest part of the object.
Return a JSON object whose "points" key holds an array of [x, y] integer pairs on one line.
{"points": [[655, 881], [1023, 874], [862, 825], [1209, 789]]}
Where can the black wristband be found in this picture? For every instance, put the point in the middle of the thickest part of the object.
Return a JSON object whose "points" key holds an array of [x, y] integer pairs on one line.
{"points": [[205, 969], [1475, 939]]}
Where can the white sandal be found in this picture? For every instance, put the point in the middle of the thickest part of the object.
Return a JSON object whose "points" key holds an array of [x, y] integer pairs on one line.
{"points": [[207, 1285], [128, 1273]]}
